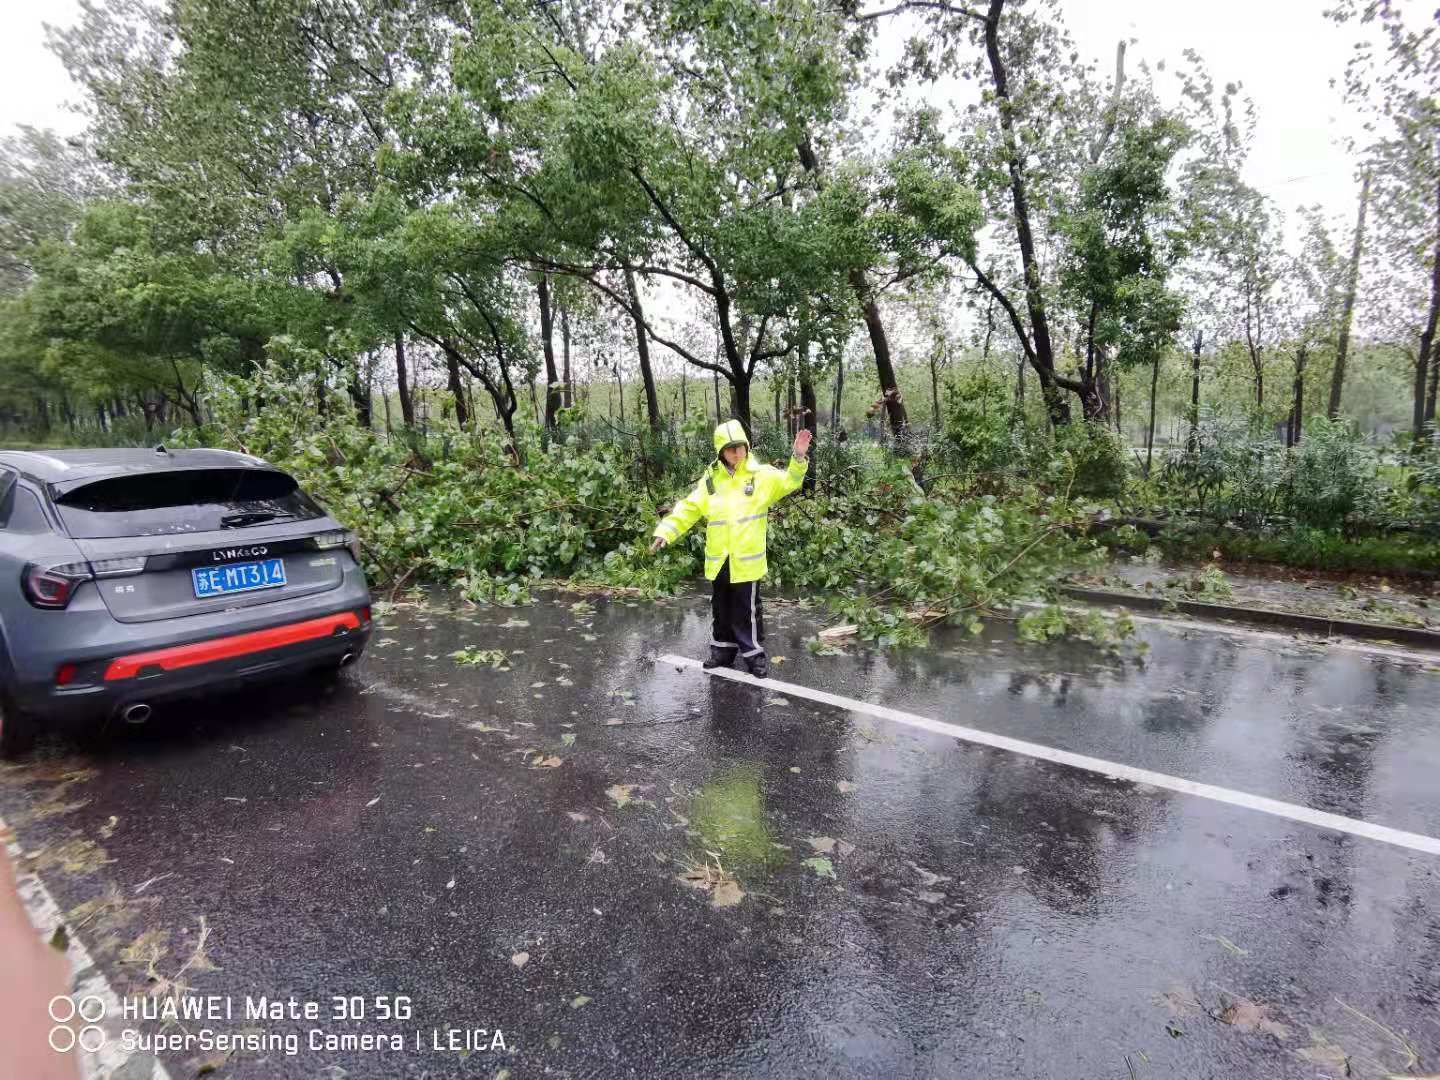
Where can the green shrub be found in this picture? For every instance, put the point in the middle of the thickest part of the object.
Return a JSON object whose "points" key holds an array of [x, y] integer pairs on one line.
{"points": [[1125, 539], [1422, 484], [1333, 476], [1229, 472], [1089, 452], [1315, 549], [979, 429]]}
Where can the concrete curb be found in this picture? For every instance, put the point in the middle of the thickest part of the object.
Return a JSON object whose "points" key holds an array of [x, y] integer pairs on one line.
{"points": [[1290, 620]]}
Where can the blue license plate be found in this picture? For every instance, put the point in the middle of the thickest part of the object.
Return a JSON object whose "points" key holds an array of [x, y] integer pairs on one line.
{"points": [[238, 577]]}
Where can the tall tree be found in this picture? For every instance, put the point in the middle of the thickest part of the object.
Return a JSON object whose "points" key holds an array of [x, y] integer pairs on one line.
{"points": [[1393, 77], [1314, 298], [1347, 313], [593, 163], [1045, 142], [247, 127], [45, 184], [1121, 242], [793, 66]]}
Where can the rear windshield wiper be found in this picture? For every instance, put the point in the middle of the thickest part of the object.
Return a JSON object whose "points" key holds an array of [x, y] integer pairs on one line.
{"points": [[256, 517]]}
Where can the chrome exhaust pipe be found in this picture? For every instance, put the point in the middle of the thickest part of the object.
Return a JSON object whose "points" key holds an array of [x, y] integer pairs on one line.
{"points": [[136, 714], [348, 659]]}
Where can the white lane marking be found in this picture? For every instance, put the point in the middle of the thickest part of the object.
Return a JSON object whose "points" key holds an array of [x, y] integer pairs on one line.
{"points": [[86, 976], [1303, 814]]}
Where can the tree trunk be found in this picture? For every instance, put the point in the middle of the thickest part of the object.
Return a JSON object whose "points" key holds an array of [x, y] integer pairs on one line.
{"points": [[935, 389], [1254, 343], [1150, 428], [880, 344], [1430, 393], [684, 399], [737, 355], [402, 382], [792, 421], [1417, 420], [567, 394], [553, 401], [1095, 388], [1427, 364], [642, 349], [839, 395], [389, 430], [1195, 391], [457, 388], [809, 410], [359, 395], [775, 388], [1297, 411], [1347, 312], [740, 405]]}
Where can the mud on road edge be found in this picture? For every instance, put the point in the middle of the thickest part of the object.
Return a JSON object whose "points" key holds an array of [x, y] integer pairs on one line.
{"points": [[1318, 625]]}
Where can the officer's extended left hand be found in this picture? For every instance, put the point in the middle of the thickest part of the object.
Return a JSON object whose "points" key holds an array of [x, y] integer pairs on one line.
{"points": [[802, 443]]}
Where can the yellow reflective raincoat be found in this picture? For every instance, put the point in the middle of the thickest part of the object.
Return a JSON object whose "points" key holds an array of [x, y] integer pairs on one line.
{"points": [[736, 508]]}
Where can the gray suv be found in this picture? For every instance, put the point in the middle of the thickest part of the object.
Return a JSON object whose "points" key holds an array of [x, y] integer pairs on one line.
{"points": [[131, 576]]}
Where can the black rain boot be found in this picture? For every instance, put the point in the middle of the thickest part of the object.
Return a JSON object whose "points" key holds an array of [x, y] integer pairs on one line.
{"points": [[759, 666], [718, 658]]}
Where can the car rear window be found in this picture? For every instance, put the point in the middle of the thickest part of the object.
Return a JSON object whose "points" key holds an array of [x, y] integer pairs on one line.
{"points": [[183, 501]]}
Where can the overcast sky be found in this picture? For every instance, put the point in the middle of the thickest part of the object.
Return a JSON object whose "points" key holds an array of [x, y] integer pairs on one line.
{"points": [[1285, 52]]}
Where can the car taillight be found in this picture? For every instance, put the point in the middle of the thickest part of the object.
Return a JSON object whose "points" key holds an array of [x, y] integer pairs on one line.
{"points": [[338, 539], [65, 674], [364, 616], [53, 586]]}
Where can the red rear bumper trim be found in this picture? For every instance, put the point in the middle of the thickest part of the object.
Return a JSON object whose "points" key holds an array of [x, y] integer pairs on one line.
{"points": [[226, 648]]}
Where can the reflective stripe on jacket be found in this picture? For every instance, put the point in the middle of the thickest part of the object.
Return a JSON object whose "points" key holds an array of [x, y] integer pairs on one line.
{"points": [[737, 511]]}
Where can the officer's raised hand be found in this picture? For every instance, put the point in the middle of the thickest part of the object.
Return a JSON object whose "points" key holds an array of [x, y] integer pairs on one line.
{"points": [[802, 444]]}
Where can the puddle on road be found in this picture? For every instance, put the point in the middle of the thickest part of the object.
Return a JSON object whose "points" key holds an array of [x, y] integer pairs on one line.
{"points": [[729, 814]]}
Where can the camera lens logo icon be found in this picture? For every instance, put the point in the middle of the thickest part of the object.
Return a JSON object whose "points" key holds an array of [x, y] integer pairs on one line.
{"points": [[91, 1009]]}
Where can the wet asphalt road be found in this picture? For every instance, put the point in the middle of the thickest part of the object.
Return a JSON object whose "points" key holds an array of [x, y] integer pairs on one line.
{"points": [[631, 870]]}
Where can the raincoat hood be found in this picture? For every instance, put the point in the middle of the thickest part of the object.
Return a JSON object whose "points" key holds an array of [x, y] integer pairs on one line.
{"points": [[728, 434]]}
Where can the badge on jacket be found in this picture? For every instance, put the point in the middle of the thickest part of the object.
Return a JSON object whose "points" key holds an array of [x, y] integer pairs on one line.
{"points": [[750, 488]]}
